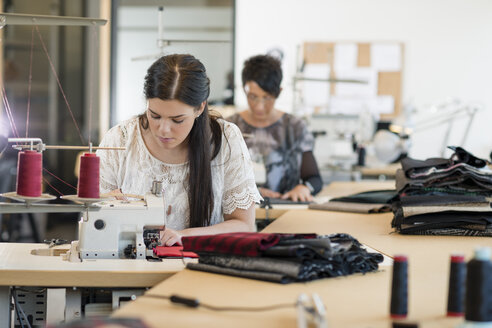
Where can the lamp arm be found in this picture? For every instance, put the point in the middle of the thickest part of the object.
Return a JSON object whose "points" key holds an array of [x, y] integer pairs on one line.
{"points": [[439, 120]]}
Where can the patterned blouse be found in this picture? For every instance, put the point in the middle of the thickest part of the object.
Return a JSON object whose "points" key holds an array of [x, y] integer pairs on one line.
{"points": [[280, 147], [133, 170]]}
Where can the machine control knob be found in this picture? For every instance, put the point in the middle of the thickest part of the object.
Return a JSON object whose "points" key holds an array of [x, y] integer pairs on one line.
{"points": [[99, 224]]}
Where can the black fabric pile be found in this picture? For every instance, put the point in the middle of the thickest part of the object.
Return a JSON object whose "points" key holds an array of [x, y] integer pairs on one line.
{"points": [[374, 201], [291, 258], [440, 196]]}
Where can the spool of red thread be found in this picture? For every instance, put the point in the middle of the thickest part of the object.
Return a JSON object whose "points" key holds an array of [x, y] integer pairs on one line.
{"points": [[88, 185], [29, 173]]}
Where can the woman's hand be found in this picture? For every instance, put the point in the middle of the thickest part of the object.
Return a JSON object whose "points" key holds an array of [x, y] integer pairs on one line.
{"points": [[116, 193], [300, 193], [169, 237], [269, 193], [119, 195]]}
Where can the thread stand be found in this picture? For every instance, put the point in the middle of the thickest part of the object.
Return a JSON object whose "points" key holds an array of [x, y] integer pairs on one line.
{"points": [[37, 144], [42, 147], [82, 200], [26, 199]]}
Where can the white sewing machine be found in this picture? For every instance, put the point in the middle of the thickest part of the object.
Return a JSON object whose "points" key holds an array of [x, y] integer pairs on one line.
{"points": [[122, 229], [112, 229]]}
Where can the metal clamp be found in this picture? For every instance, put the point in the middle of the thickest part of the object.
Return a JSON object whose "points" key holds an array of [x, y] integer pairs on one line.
{"points": [[266, 205], [39, 147]]}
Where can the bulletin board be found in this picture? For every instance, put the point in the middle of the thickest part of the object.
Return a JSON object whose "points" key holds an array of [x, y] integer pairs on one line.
{"points": [[378, 64]]}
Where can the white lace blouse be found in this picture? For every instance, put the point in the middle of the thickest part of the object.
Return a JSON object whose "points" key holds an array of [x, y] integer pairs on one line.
{"points": [[133, 170]]}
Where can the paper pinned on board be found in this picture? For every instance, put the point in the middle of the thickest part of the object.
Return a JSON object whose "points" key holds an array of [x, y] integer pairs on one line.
{"points": [[345, 56], [356, 105], [316, 93], [381, 105], [386, 57], [367, 74], [346, 105]]}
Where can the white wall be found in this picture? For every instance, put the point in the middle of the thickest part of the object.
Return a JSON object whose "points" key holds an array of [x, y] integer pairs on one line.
{"points": [[448, 50], [137, 37]]}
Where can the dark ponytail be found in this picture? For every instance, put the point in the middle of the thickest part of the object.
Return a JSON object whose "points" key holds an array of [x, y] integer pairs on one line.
{"points": [[184, 78]]}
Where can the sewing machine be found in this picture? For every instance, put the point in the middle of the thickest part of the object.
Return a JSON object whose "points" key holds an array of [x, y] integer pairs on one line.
{"points": [[121, 229], [108, 229]]}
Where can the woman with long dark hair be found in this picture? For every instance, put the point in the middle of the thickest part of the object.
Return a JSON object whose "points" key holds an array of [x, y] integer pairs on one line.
{"points": [[201, 160]]}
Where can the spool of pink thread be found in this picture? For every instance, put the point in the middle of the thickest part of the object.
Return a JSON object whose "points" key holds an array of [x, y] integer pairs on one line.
{"points": [[88, 185], [29, 173]]}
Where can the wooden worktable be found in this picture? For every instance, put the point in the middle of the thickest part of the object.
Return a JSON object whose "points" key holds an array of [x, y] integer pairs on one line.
{"points": [[354, 301], [18, 267], [334, 189]]}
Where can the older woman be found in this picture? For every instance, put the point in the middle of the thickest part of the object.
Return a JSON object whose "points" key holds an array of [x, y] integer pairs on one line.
{"points": [[280, 139]]}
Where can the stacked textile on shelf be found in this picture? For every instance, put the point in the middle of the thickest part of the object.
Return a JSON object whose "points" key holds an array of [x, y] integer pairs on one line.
{"points": [[281, 258], [440, 196]]}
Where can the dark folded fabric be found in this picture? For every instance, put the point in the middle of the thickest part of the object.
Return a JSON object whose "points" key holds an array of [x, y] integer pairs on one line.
{"points": [[417, 210], [460, 155], [315, 241], [321, 248], [442, 223], [435, 200], [448, 232], [258, 275], [434, 172], [351, 207], [369, 197], [431, 191], [285, 271], [326, 256], [463, 156], [444, 196], [459, 180], [265, 264], [484, 218], [238, 243], [409, 164], [375, 201]]}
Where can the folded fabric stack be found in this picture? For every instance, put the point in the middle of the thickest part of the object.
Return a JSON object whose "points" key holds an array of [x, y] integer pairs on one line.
{"points": [[374, 201], [442, 196], [281, 258]]}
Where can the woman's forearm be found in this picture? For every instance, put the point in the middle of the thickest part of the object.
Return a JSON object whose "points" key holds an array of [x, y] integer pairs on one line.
{"points": [[240, 220], [231, 225]]}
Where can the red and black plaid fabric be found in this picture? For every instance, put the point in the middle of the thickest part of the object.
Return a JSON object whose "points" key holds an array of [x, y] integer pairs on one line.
{"points": [[237, 243], [172, 251]]}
